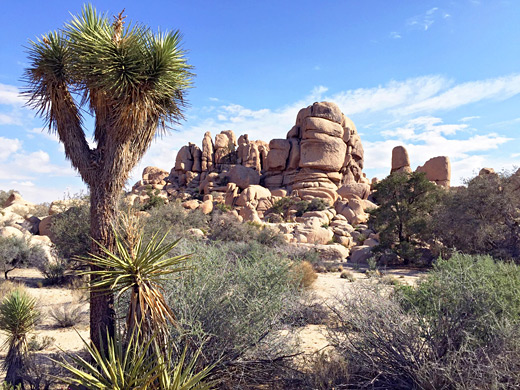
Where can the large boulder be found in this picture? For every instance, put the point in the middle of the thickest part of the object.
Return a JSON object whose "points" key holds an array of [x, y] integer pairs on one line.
{"points": [[400, 160], [438, 170], [154, 175], [278, 154], [243, 176], [11, 231], [16, 199]]}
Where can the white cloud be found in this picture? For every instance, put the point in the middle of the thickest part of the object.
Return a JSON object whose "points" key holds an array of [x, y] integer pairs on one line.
{"points": [[52, 136], [10, 95], [500, 88], [395, 35], [9, 119], [18, 184], [392, 95], [9, 146], [469, 118]]}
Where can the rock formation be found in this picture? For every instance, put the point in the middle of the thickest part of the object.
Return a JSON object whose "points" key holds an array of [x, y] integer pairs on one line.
{"points": [[321, 157], [437, 169]]}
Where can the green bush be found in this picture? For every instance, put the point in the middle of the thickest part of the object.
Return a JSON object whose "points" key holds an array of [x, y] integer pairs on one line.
{"points": [[71, 231], [174, 218], [283, 205], [16, 252], [233, 302], [153, 201], [226, 227], [458, 329]]}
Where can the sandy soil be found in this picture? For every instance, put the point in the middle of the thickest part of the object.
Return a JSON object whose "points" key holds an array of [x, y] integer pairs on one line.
{"points": [[326, 289]]}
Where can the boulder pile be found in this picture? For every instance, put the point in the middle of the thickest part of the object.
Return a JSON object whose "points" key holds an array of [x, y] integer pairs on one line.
{"points": [[321, 157]]}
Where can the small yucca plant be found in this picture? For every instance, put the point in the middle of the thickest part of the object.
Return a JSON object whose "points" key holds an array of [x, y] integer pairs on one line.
{"points": [[141, 269], [18, 317], [133, 365]]}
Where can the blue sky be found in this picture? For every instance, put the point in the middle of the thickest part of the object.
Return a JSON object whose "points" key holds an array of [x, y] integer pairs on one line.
{"points": [[440, 77]]}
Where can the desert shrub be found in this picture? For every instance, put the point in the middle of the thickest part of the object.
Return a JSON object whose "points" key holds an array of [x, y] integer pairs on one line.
{"points": [[404, 216], [317, 204], [68, 315], [36, 343], [174, 218], [153, 199], [18, 316], [282, 207], [225, 227], [326, 371], [347, 275], [71, 230], [3, 197], [55, 273], [482, 217], [305, 273], [458, 329], [233, 303], [40, 210], [16, 252]]}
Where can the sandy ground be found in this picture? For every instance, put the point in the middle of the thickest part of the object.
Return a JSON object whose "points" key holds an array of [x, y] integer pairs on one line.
{"points": [[49, 298], [330, 287], [326, 289]]}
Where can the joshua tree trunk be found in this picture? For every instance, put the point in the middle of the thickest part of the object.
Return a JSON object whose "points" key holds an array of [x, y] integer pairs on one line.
{"points": [[103, 203]]}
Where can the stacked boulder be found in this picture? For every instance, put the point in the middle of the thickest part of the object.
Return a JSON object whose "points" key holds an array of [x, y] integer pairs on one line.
{"points": [[322, 153], [321, 157], [437, 169]]}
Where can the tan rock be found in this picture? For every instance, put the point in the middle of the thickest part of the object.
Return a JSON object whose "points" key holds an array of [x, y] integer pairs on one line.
{"points": [[252, 194], [278, 154], [360, 190], [154, 175], [333, 252], [11, 231], [208, 150], [486, 171], [206, 207], [279, 192], [243, 176], [184, 159], [191, 204], [400, 160], [438, 170], [314, 125], [16, 198], [325, 153], [360, 254], [45, 227]]}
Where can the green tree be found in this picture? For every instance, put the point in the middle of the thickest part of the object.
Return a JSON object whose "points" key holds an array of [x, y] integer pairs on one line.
{"points": [[403, 218], [482, 217], [133, 82]]}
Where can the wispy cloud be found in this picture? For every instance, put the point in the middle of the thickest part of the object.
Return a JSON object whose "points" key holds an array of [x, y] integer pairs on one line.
{"points": [[10, 95], [469, 118], [395, 35], [500, 88], [423, 21]]}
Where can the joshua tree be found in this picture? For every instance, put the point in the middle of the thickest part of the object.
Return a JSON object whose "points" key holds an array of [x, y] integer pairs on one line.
{"points": [[133, 82]]}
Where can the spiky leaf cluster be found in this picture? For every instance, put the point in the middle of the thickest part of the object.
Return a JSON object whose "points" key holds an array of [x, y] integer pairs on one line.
{"points": [[140, 268]]}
